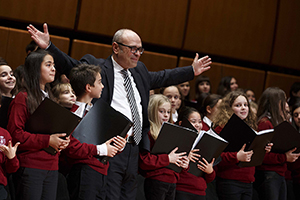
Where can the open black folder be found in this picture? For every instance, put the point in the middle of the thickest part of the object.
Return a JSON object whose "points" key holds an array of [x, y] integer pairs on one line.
{"points": [[5, 102], [238, 133], [210, 146], [50, 118], [172, 136], [100, 124], [286, 137]]}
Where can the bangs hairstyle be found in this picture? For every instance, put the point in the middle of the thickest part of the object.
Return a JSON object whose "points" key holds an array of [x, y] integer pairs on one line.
{"points": [[59, 88], [225, 111], [155, 101], [81, 75], [186, 112], [199, 80], [32, 75], [271, 104]]}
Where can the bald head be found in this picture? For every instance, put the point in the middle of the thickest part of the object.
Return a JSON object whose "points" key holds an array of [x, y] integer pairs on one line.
{"points": [[122, 33]]}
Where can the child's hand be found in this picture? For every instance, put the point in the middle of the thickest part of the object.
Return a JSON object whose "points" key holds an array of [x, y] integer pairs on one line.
{"points": [[119, 142], [292, 157], [268, 147], [194, 156], [111, 150], [184, 162], [57, 142], [9, 150], [176, 157], [205, 166], [244, 156]]}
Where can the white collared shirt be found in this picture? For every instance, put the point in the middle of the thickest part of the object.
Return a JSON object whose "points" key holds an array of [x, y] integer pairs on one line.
{"points": [[207, 121], [119, 99]]}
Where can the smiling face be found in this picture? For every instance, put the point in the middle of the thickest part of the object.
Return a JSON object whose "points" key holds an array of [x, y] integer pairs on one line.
{"points": [[122, 54], [233, 84], [204, 87], [195, 119], [164, 112], [184, 88], [240, 107], [47, 70], [7, 80]]}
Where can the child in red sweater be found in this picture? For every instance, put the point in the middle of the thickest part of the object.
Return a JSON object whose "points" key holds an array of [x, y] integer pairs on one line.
{"points": [[189, 186], [160, 182], [234, 182], [270, 176]]}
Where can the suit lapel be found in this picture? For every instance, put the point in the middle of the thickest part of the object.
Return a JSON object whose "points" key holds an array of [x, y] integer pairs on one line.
{"points": [[108, 80]]}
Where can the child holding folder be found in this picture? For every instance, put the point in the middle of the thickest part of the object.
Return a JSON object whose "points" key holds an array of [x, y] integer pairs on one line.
{"points": [[37, 176], [160, 182]]}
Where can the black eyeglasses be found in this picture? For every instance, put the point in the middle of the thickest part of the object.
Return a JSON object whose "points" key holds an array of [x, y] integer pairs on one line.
{"points": [[133, 49]]}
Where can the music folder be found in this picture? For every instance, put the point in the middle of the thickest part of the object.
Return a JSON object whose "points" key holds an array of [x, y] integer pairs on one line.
{"points": [[286, 137], [210, 146], [100, 124], [5, 102], [172, 136], [50, 118], [238, 133]]}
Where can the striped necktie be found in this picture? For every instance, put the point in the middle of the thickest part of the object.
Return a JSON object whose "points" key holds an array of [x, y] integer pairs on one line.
{"points": [[137, 127]]}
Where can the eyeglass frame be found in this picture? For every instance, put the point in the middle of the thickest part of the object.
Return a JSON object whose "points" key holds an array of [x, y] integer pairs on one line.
{"points": [[140, 49]]}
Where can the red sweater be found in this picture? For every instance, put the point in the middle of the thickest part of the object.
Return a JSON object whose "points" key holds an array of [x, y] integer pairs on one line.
{"points": [[154, 166], [295, 169], [205, 127], [7, 165], [30, 152], [84, 153], [272, 161], [228, 168]]}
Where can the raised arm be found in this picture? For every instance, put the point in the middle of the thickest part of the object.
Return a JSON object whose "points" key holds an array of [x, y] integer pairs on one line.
{"points": [[201, 65], [42, 39]]}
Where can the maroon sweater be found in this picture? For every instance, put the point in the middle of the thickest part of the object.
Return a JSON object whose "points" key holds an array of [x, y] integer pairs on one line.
{"points": [[228, 168], [272, 161], [30, 152], [7, 165], [154, 166], [295, 170]]}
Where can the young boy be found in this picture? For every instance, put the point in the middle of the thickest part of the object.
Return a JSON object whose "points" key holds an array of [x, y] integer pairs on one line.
{"points": [[9, 162], [87, 177]]}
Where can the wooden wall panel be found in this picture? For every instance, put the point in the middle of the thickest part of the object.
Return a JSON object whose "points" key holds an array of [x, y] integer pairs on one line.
{"points": [[157, 61], [287, 41], [80, 48], [214, 74], [158, 22], [55, 12], [283, 81], [19, 39], [3, 41], [232, 28], [246, 78]]}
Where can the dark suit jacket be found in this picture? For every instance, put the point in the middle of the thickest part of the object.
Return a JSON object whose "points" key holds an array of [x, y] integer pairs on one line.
{"points": [[144, 80]]}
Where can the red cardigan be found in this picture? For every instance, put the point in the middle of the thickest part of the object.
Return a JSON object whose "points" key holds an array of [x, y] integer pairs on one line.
{"points": [[205, 127], [272, 161], [154, 166], [7, 165], [30, 152], [228, 168]]}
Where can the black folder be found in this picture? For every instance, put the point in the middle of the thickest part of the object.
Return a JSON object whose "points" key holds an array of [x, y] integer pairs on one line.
{"points": [[5, 102], [50, 118], [172, 136], [238, 133], [100, 124], [286, 138], [210, 146]]}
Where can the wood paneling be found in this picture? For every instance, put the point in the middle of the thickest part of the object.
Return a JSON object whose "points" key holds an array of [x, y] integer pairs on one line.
{"points": [[80, 48], [287, 41], [55, 12], [283, 81], [3, 41], [19, 39], [157, 61], [232, 28], [158, 22]]}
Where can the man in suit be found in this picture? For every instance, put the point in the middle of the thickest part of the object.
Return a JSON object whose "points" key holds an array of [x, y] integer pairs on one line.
{"points": [[127, 49]]}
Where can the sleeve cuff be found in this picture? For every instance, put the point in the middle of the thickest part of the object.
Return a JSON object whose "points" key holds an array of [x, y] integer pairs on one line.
{"points": [[102, 150]]}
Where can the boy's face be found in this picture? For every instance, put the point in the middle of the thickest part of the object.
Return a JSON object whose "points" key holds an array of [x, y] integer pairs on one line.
{"points": [[97, 88]]}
